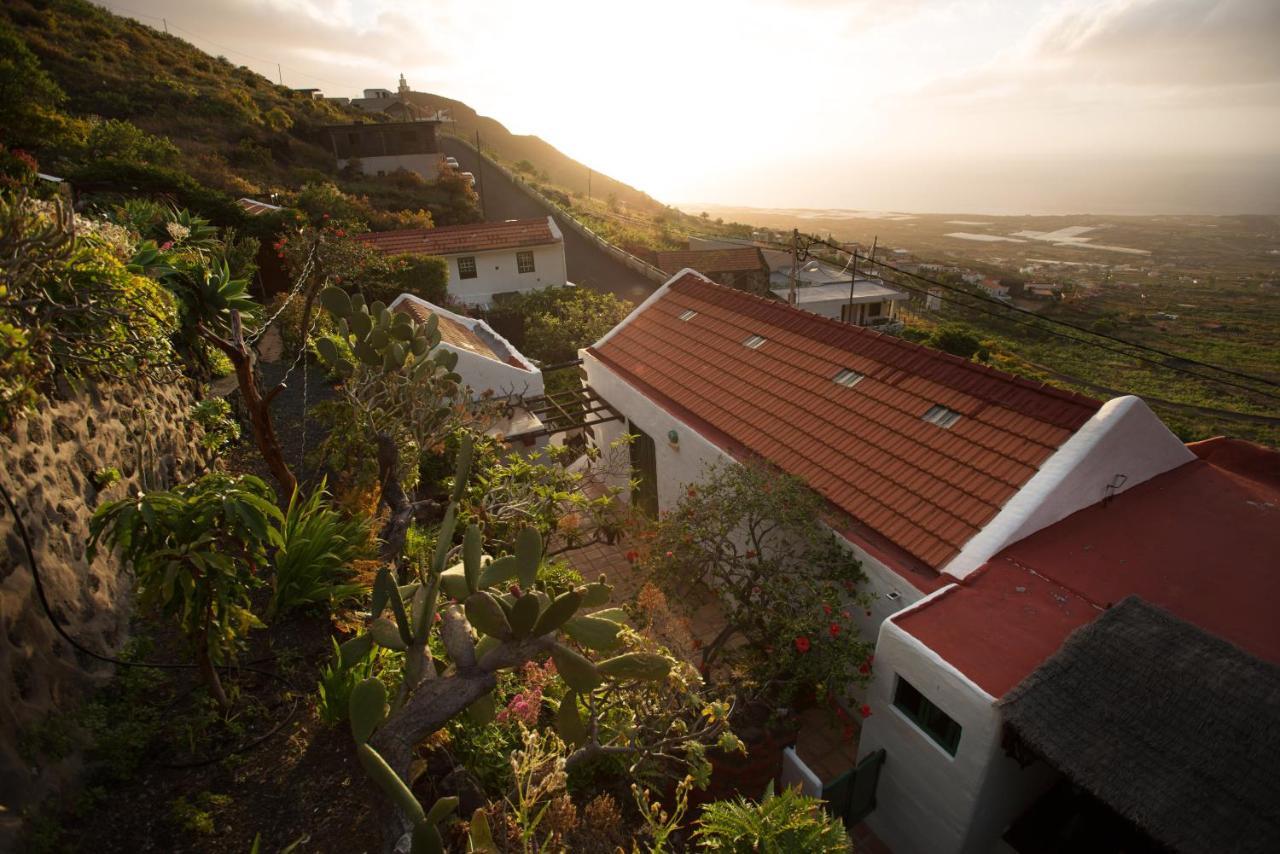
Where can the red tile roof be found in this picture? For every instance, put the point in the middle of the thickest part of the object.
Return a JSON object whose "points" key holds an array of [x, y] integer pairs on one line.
{"points": [[923, 489], [1201, 541], [709, 261], [455, 239]]}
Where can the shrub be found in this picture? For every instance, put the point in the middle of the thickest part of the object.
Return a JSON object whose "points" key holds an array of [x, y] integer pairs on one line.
{"points": [[123, 140], [214, 417], [779, 824], [317, 545], [958, 341]]}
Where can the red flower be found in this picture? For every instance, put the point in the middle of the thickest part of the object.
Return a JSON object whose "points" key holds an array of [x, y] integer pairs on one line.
{"points": [[514, 589], [669, 554], [864, 668], [834, 628], [802, 644], [324, 216], [826, 609], [633, 556], [340, 233], [865, 711]]}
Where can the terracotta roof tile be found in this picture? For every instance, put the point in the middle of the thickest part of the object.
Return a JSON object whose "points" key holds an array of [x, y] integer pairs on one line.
{"points": [[924, 488], [708, 261], [454, 239]]}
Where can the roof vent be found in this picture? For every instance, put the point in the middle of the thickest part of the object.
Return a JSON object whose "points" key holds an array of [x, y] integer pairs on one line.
{"points": [[848, 378], [941, 415], [688, 314], [753, 342]]}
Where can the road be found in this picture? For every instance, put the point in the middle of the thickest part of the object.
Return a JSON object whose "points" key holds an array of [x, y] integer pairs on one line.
{"points": [[588, 266]]}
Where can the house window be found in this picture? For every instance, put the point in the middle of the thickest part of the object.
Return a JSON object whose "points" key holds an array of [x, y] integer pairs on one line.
{"points": [[524, 262], [935, 723], [688, 314], [873, 309], [847, 378], [753, 342], [467, 267], [941, 415]]}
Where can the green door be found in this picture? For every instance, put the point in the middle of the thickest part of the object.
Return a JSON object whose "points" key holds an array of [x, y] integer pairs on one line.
{"points": [[644, 472], [852, 797]]}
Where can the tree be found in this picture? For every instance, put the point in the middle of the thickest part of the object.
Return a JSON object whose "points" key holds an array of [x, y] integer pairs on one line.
{"points": [[197, 551], [752, 535], [958, 341], [558, 322], [29, 97]]}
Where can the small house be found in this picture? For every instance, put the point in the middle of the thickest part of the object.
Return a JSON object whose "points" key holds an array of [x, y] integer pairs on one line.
{"points": [[485, 259], [741, 267], [386, 147]]}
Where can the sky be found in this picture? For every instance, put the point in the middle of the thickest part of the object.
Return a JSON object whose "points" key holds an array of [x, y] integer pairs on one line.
{"points": [[952, 106]]}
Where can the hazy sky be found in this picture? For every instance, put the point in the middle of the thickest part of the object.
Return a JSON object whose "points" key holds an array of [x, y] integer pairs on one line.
{"points": [[996, 106]]}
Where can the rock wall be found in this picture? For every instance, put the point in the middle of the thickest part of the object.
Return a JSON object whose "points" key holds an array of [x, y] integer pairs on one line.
{"points": [[55, 465]]}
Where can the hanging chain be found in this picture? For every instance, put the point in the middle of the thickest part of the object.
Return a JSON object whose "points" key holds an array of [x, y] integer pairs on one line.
{"points": [[303, 276]]}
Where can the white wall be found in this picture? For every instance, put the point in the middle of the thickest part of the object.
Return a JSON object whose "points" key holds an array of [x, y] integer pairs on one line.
{"points": [[496, 273], [426, 165], [1124, 437], [927, 801]]}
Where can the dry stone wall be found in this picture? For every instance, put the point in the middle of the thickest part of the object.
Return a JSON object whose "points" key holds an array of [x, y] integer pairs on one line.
{"points": [[55, 464]]}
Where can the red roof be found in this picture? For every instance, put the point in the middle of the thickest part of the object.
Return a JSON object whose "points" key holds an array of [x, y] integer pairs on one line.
{"points": [[708, 261], [922, 488], [1201, 541], [454, 239]]}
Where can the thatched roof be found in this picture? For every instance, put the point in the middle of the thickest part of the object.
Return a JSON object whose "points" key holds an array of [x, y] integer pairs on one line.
{"points": [[1174, 729]]}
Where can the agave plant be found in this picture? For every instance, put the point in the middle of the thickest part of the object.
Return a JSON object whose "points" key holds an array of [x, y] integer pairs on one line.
{"points": [[317, 546]]}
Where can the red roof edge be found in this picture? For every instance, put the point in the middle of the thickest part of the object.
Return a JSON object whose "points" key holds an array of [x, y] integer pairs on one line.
{"points": [[1241, 457]]}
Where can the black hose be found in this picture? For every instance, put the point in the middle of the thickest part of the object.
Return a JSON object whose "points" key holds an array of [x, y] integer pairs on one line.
{"points": [[154, 665]]}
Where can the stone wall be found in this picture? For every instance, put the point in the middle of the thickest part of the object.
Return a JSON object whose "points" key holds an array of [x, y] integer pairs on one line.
{"points": [[52, 463]]}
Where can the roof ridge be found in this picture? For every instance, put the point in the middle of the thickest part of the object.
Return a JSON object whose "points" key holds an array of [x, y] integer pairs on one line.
{"points": [[891, 340]]}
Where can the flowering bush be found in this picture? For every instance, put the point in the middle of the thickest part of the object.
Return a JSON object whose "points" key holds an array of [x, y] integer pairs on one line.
{"points": [[789, 588]]}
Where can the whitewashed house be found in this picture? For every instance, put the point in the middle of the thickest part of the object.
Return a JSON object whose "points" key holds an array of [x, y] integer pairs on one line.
{"points": [[934, 462], [382, 148], [490, 367], [931, 465], [1109, 682], [486, 259]]}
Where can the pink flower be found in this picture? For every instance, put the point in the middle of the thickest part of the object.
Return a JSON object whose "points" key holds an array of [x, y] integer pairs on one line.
{"points": [[669, 554], [168, 244]]}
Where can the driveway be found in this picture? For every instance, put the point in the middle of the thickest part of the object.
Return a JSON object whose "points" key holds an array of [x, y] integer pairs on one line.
{"points": [[588, 266]]}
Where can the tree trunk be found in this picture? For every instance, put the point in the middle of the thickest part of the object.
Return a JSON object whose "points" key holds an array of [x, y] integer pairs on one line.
{"points": [[259, 407]]}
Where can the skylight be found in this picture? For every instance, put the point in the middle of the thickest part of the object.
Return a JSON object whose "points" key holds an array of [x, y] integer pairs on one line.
{"points": [[941, 415], [847, 378], [688, 314], [754, 342]]}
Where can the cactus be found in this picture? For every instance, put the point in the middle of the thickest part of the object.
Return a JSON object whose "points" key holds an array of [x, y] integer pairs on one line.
{"points": [[561, 609], [484, 612], [594, 633], [645, 666], [569, 720], [479, 835], [471, 555], [523, 616], [578, 673], [367, 706], [528, 555]]}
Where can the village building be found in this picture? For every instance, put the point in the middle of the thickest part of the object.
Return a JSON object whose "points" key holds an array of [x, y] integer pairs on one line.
{"points": [[490, 366], [930, 463], [486, 259], [741, 267], [821, 287], [386, 147], [993, 287], [1107, 677], [1041, 290], [992, 516]]}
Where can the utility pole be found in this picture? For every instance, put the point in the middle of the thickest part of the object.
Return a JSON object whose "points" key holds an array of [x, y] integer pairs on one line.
{"points": [[165, 21], [852, 282], [588, 184], [280, 73], [480, 176], [795, 264]]}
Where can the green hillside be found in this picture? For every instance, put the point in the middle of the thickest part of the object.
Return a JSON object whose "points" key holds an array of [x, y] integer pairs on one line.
{"points": [[116, 105]]}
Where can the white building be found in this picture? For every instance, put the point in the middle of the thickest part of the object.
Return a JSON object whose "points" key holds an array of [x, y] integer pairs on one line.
{"points": [[931, 465], [489, 365], [997, 722], [386, 147], [486, 259]]}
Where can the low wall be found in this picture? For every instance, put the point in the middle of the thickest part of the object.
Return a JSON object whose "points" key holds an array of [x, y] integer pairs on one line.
{"points": [[51, 462], [644, 268]]}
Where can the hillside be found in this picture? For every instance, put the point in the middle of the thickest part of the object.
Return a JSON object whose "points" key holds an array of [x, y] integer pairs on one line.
{"points": [[211, 131]]}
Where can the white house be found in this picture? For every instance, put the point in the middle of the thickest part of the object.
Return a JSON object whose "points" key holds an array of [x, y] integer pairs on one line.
{"points": [[933, 462], [381, 148], [821, 287], [490, 366], [1006, 723], [486, 259]]}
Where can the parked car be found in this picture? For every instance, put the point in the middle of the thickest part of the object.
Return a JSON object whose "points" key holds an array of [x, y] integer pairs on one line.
{"points": [[452, 162], [471, 178]]}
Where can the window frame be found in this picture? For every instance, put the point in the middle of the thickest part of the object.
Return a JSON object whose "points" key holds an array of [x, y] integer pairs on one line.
{"points": [[463, 273], [520, 259], [925, 715]]}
